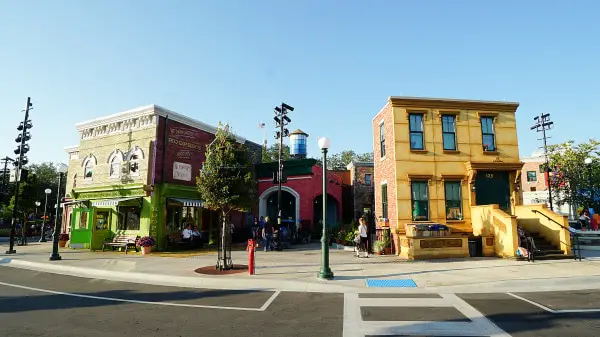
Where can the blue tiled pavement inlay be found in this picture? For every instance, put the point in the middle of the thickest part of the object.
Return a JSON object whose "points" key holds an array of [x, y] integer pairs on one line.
{"points": [[399, 283]]}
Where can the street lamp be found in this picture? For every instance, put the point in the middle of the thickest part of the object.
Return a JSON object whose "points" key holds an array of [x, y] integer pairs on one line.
{"points": [[61, 169], [43, 238], [325, 272], [588, 162]]}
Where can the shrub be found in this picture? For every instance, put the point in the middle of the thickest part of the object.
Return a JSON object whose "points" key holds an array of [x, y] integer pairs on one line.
{"points": [[63, 237], [146, 241]]}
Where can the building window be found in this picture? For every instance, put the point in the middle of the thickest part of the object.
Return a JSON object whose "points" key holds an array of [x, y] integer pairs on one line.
{"points": [[88, 167], [452, 191], [415, 122], [129, 218], [368, 179], [382, 139], [487, 133], [420, 201], [102, 222], [134, 157], [531, 176], [384, 201], [449, 132], [115, 167], [83, 220]]}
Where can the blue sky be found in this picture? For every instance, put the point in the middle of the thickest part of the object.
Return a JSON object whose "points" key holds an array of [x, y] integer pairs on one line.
{"points": [[336, 62]]}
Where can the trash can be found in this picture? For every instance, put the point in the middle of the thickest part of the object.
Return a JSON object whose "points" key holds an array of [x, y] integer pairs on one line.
{"points": [[475, 246]]}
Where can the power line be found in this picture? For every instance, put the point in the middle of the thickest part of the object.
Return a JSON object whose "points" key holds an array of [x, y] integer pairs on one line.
{"points": [[542, 123]]}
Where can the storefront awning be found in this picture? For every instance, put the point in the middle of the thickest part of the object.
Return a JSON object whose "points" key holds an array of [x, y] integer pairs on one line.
{"points": [[73, 202], [111, 202], [188, 202]]}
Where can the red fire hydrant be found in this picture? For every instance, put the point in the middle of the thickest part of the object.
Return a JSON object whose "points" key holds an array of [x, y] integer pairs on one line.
{"points": [[251, 250]]}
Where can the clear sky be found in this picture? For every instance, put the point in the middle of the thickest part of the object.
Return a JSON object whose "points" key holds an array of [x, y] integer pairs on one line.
{"points": [[336, 62]]}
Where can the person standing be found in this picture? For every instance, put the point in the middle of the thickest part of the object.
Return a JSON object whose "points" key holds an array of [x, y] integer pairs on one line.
{"points": [[267, 234], [362, 233]]}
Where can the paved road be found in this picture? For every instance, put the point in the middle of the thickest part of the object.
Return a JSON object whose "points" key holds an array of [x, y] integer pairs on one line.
{"points": [[41, 304]]}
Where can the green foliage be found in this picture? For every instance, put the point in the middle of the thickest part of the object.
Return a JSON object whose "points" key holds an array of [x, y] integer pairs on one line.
{"points": [[226, 180], [576, 179], [340, 161], [271, 154]]}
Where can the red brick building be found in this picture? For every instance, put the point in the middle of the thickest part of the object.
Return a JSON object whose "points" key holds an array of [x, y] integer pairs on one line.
{"points": [[385, 176]]}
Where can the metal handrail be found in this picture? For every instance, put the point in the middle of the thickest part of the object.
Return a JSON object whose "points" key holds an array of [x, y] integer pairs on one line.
{"points": [[573, 234]]}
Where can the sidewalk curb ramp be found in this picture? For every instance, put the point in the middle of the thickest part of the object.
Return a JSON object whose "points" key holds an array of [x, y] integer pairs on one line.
{"points": [[231, 282]]}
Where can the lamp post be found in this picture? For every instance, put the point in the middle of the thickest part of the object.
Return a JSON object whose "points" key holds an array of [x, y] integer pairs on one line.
{"points": [[325, 272], [43, 238], [588, 162], [61, 169]]}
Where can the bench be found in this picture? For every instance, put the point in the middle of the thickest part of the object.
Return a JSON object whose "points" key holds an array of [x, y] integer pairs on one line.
{"points": [[176, 240], [121, 241]]}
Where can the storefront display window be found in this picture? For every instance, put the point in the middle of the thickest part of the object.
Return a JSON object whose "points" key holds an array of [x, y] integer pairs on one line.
{"points": [[101, 221], [83, 220], [129, 218], [179, 217]]}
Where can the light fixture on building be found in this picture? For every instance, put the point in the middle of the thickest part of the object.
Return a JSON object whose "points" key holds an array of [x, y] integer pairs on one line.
{"points": [[473, 188]]}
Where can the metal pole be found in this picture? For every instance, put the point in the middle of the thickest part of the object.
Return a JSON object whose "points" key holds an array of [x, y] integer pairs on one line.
{"points": [[547, 168], [55, 256], [325, 272], [280, 171], [43, 238], [11, 244]]}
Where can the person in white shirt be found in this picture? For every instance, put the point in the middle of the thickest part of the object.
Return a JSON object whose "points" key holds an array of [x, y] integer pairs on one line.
{"points": [[362, 233], [187, 233]]}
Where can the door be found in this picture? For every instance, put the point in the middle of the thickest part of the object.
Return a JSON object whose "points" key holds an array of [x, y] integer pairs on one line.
{"points": [[492, 187], [100, 228], [81, 231]]}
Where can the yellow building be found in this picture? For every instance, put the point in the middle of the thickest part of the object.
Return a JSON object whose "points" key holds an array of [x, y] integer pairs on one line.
{"points": [[451, 162]]}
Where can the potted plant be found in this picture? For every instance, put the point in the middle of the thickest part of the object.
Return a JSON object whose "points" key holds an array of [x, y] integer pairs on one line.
{"points": [[62, 239], [387, 249], [378, 247], [146, 242]]}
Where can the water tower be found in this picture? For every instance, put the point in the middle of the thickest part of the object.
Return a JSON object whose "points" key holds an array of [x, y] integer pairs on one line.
{"points": [[298, 144]]}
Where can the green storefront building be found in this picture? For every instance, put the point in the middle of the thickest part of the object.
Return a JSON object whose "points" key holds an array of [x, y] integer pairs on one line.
{"points": [[133, 173]]}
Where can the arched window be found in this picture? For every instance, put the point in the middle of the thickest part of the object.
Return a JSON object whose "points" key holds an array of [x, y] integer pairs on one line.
{"points": [[114, 162], [135, 157], [88, 167]]}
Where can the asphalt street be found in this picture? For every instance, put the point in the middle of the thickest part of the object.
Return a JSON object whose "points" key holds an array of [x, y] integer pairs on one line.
{"points": [[42, 304]]}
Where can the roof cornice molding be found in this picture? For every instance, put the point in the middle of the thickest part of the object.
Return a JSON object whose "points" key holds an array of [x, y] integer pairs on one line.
{"points": [[448, 103]]}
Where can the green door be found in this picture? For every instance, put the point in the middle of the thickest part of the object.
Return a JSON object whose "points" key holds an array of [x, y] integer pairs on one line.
{"points": [[492, 187], [100, 227], [81, 231]]}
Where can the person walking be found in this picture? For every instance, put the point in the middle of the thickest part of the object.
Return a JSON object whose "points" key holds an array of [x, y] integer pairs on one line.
{"points": [[267, 234], [362, 233]]}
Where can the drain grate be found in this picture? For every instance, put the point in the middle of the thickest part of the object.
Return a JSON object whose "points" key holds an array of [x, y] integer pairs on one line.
{"points": [[398, 283]]}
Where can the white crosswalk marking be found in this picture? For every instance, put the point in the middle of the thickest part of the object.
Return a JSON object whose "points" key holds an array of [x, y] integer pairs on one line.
{"points": [[354, 326]]}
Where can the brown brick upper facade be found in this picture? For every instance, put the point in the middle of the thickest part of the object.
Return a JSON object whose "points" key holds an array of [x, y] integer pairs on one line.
{"points": [[532, 177]]}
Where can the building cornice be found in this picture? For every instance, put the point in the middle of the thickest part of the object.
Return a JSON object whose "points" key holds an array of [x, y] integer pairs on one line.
{"points": [[448, 103], [139, 118]]}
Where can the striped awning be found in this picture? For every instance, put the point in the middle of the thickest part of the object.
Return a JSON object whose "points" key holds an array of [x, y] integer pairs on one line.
{"points": [[188, 202], [110, 202]]}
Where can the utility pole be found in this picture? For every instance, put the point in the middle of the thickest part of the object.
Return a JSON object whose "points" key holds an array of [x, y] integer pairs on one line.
{"points": [[5, 161], [281, 121], [21, 161], [541, 124]]}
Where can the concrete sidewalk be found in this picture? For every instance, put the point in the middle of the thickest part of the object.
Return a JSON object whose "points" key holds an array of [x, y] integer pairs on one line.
{"points": [[296, 269]]}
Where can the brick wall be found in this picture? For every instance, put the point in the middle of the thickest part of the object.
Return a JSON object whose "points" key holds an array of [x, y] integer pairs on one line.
{"points": [[540, 183], [385, 167]]}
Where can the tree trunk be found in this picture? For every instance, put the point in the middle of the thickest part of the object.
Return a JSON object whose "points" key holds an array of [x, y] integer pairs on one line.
{"points": [[225, 241]]}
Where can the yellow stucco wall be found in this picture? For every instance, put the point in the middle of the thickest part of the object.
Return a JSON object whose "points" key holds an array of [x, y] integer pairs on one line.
{"points": [[437, 165], [491, 221]]}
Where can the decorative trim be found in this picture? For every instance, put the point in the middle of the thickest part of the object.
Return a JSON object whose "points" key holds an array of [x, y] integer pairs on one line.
{"points": [[421, 177], [417, 112], [518, 177], [480, 114], [114, 154], [88, 158], [446, 103], [443, 112], [482, 166], [491, 153], [454, 177], [451, 152], [419, 151]]}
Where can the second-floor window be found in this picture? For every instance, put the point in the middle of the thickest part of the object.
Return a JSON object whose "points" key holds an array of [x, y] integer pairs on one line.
{"points": [[449, 132], [115, 167], [368, 179], [415, 123], [487, 134], [531, 176], [382, 139]]}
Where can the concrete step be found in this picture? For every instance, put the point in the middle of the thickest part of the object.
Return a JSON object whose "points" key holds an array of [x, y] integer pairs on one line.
{"points": [[542, 252], [554, 257]]}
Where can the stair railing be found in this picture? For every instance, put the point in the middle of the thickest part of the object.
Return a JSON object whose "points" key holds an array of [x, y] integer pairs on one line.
{"points": [[576, 248]]}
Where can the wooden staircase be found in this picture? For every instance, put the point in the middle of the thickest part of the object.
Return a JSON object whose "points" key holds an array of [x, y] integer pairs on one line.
{"points": [[545, 250]]}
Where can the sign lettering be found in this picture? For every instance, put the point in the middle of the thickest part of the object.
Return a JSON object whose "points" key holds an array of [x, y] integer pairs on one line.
{"points": [[182, 171]]}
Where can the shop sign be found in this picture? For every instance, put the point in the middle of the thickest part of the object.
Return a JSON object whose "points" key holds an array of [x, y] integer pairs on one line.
{"points": [[111, 194], [182, 171]]}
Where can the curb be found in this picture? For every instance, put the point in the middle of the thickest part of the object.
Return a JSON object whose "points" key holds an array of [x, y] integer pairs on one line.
{"points": [[260, 284]]}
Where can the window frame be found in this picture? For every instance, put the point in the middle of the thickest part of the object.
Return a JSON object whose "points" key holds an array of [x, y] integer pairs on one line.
{"points": [[534, 176], [420, 133], [460, 217], [382, 139], [491, 119], [453, 133], [413, 200], [123, 218], [384, 201], [115, 162]]}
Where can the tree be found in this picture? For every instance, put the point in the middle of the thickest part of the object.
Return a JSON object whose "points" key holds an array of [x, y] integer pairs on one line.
{"points": [[575, 183], [226, 182], [271, 154], [340, 161]]}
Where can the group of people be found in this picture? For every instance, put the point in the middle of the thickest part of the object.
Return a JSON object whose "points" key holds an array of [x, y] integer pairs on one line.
{"points": [[587, 221], [191, 234]]}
